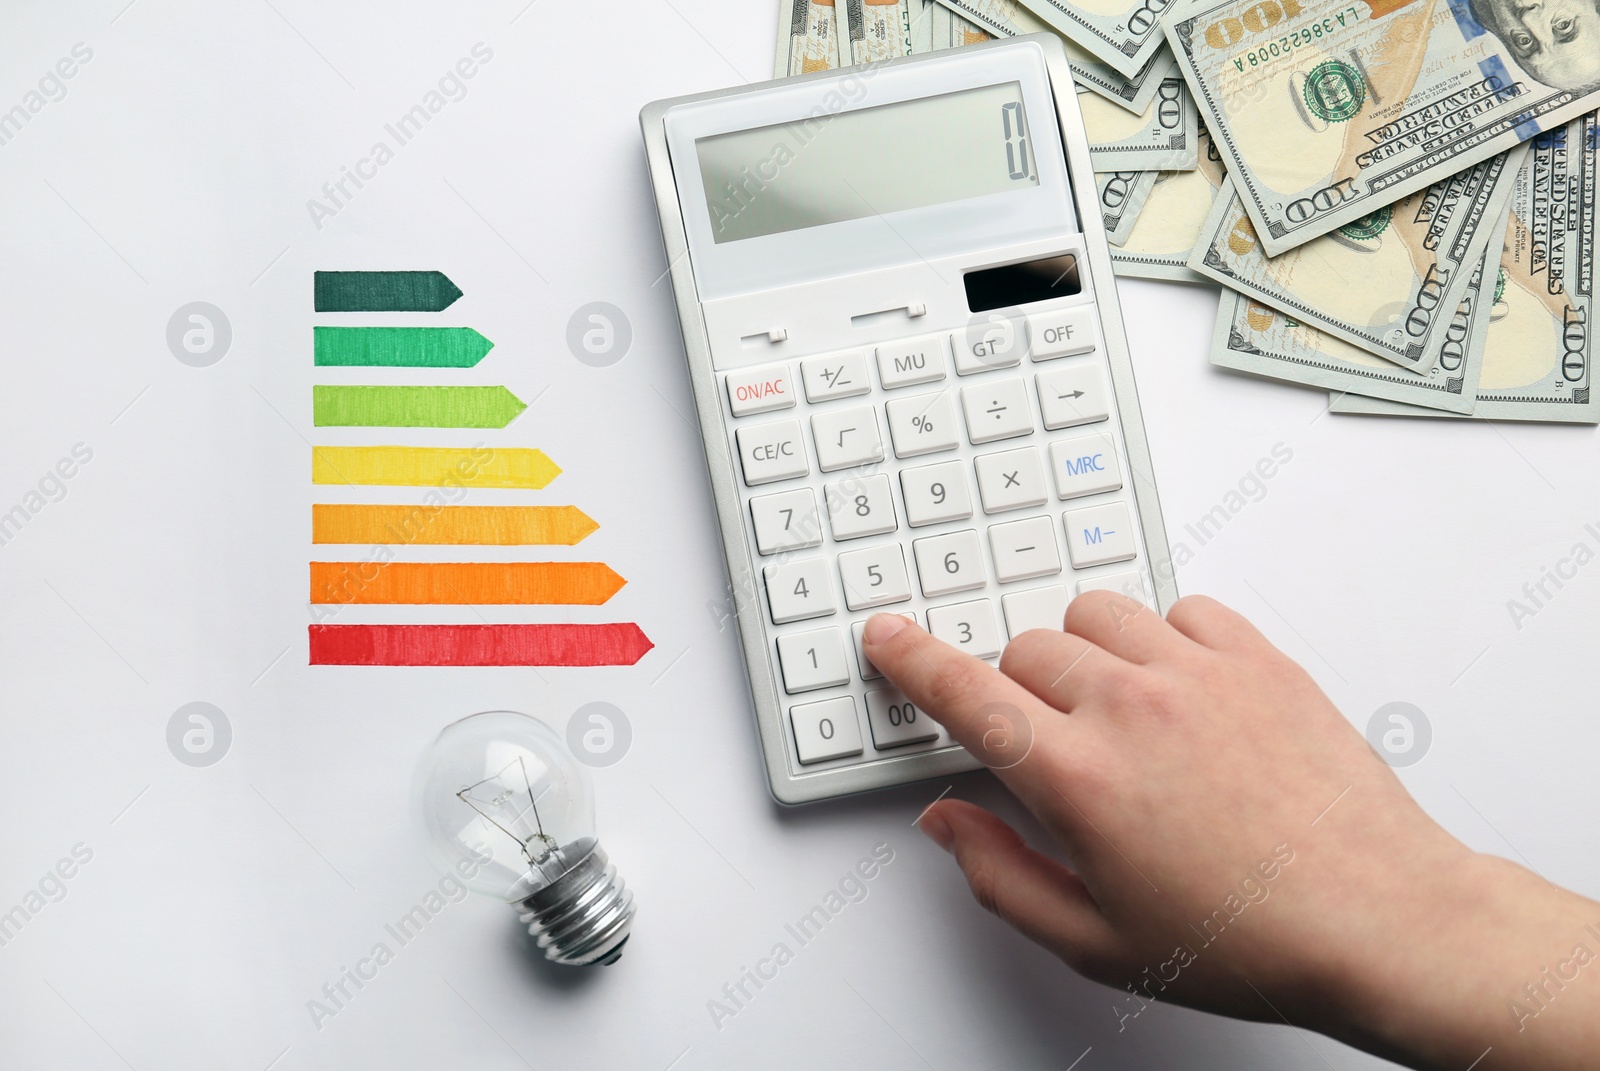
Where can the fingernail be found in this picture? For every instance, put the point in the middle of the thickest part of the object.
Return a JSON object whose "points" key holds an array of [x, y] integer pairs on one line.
{"points": [[881, 628], [936, 829]]}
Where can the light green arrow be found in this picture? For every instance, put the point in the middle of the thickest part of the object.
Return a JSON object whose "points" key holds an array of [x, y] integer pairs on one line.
{"points": [[414, 407]]}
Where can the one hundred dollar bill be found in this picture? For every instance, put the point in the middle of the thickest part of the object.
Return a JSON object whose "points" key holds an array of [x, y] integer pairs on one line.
{"points": [[1008, 18], [951, 30], [1122, 195], [1541, 346], [1326, 109], [922, 25], [1251, 337], [1168, 225], [1164, 138], [877, 29], [1387, 282], [1125, 34], [808, 37]]}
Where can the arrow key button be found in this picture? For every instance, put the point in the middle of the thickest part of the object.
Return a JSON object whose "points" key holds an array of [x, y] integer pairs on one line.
{"points": [[1071, 396]]}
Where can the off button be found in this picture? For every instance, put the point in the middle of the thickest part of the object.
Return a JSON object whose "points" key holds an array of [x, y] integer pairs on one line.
{"points": [[1063, 334]]}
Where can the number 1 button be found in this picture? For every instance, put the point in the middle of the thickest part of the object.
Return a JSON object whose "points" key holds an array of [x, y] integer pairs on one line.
{"points": [[812, 660]]}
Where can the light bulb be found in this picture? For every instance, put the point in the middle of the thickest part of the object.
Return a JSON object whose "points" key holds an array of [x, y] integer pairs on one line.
{"points": [[508, 811]]}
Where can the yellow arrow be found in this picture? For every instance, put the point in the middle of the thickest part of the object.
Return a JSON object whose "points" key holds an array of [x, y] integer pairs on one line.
{"points": [[427, 466], [504, 526]]}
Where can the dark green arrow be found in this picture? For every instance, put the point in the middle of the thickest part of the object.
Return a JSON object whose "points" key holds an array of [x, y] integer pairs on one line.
{"points": [[414, 407], [401, 347], [384, 291]]}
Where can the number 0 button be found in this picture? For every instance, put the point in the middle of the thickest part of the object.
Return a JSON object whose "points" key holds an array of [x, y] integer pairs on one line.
{"points": [[826, 730]]}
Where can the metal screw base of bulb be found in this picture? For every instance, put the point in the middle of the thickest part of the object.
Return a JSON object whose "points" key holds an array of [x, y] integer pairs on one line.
{"points": [[583, 918]]}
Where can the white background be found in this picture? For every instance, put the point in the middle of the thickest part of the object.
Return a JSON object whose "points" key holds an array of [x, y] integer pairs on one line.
{"points": [[177, 169]]}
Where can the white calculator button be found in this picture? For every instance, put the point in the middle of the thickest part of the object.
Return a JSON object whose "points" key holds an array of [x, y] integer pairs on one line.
{"points": [[799, 590], [985, 345], [911, 360], [1063, 333], [1099, 534], [1129, 584], [826, 730], [786, 521], [860, 507], [895, 722], [770, 452], [997, 410], [1039, 608], [1085, 465], [967, 626], [924, 424], [839, 375], [874, 577], [846, 438], [949, 563], [813, 660], [1010, 480], [936, 493], [760, 390], [1071, 396], [869, 672], [1024, 549]]}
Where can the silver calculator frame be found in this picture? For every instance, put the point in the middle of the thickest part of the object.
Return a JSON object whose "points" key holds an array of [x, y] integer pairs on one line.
{"points": [[744, 580]]}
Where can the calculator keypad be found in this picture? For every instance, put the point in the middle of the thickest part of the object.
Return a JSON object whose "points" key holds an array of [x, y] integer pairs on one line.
{"points": [[979, 505]]}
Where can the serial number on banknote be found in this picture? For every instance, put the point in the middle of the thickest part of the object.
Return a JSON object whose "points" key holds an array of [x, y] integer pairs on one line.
{"points": [[1306, 35]]}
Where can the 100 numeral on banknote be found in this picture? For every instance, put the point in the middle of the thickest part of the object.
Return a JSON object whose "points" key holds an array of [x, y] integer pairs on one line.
{"points": [[1327, 110]]}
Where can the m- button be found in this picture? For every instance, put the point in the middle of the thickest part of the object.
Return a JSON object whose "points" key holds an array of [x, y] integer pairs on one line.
{"points": [[770, 452]]}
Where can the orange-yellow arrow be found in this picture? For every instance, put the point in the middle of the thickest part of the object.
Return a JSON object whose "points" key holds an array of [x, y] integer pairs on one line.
{"points": [[464, 583], [504, 526]]}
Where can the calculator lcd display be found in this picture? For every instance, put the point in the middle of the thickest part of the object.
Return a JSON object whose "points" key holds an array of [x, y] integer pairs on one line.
{"points": [[833, 167]]}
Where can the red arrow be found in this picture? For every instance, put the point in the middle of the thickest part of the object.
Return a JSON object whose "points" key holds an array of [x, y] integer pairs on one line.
{"points": [[618, 644]]}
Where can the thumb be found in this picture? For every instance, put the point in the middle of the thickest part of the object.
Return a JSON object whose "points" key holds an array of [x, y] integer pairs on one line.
{"points": [[1038, 896]]}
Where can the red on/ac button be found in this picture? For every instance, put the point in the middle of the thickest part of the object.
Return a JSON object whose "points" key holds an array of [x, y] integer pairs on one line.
{"points": [[760, 390]]}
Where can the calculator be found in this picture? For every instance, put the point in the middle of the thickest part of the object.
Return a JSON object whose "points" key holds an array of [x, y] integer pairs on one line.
{"points": [[911, 379]]}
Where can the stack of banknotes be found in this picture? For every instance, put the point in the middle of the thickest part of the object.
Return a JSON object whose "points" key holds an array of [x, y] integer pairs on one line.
{"points": [[1396, 196]]}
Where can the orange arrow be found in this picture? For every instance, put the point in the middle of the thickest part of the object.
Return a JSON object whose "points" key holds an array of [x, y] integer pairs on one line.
{"points": [[464, 583], [503, 526]]}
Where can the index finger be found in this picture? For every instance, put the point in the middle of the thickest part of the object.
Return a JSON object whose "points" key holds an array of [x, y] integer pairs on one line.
{"points": [[992, 716]]}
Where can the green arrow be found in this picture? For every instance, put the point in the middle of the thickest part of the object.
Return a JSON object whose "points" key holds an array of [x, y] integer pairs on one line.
{"points": [[384, 291], [414, 407], [400, 347]]}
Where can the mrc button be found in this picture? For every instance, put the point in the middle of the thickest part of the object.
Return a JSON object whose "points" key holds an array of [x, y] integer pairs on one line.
{"points": [[1062, 334], [760, 390]]}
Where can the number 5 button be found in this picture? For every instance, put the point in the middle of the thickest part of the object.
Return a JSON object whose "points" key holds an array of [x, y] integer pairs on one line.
{"points": [[875, 577]]}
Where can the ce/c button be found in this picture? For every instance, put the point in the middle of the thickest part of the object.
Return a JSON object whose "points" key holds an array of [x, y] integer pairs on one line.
{"points": [[771, 452]]}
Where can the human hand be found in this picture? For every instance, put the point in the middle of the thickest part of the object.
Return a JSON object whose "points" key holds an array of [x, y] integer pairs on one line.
{"points": [[1234, 845]]}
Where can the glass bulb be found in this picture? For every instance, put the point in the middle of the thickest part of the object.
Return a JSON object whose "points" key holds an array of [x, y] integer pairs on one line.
{"points": [[505, 808]]}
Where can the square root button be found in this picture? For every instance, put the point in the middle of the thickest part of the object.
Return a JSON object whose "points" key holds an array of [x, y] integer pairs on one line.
{"points": [[1099, 534]]}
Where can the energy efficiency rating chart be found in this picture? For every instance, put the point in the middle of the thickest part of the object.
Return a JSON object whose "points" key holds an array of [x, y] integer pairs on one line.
{"points": [[432, 522]]}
